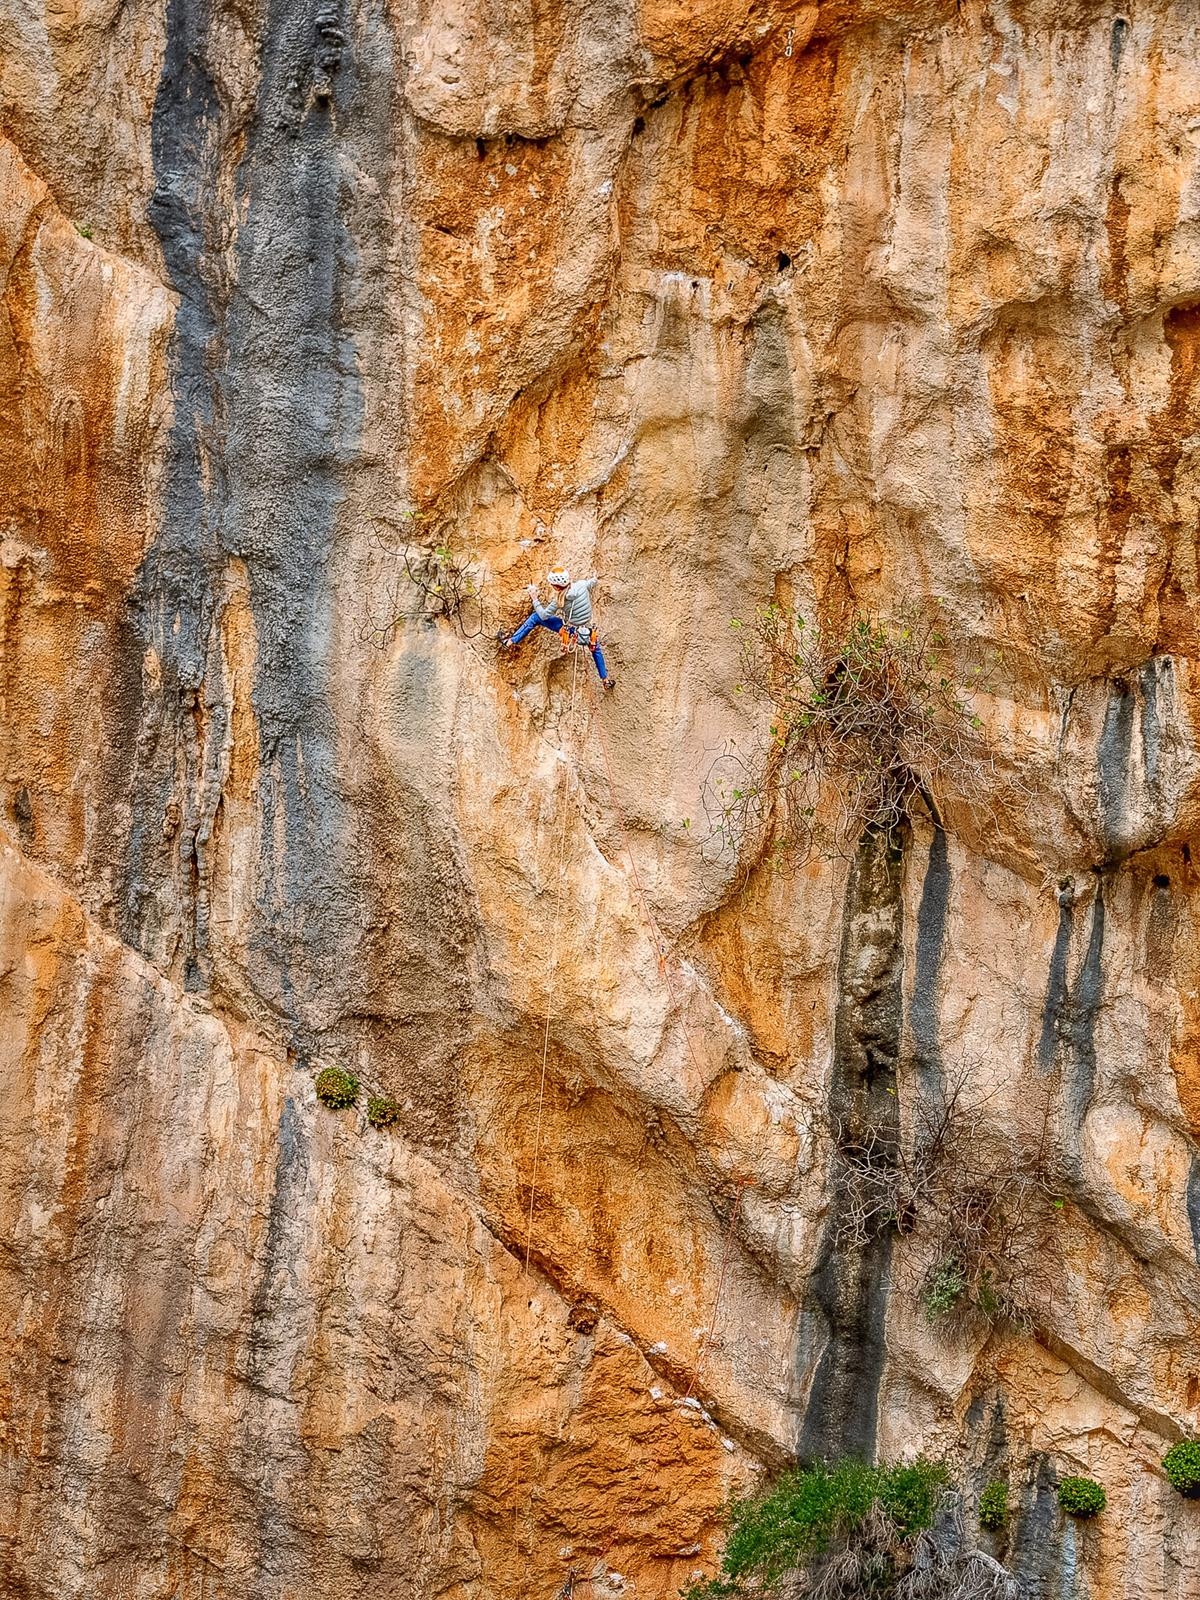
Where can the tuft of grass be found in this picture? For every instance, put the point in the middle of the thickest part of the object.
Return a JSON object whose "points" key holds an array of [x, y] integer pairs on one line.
{"points": [[1081, 1497], [809, 1512], [1182, 1466], [993, 1506], [382, 1111], [336, 1088], [84, 230]]}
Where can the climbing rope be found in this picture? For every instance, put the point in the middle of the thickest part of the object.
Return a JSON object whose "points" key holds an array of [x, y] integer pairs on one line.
{"points": [[743, 1185], [575, 1578], [660, 944], [541, 1096], [665, 969], [558, 892]]}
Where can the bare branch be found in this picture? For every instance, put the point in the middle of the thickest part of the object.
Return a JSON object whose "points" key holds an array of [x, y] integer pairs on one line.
{"points": [[438, 580]]}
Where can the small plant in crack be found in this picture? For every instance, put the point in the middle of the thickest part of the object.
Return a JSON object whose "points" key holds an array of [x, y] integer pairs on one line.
{"points": [[1081, 1497], [993, 1506], [382, 1111], [1182, 1467], [944, 1288]]}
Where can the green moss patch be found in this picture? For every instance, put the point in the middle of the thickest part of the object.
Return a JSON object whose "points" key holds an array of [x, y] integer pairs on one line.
{"points": [[336, 1088], [382, 1111]]}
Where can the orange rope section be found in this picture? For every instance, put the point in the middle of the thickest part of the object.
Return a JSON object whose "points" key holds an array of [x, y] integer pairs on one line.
{"points": [[573, 1579], [541, 1100], [665, 969]]}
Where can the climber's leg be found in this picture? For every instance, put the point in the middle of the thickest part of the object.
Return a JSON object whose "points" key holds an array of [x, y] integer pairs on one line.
{"points": [[598, 658], [526, 628], [531, 622]]}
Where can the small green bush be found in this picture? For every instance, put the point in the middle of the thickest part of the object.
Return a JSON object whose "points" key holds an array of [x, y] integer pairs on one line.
{"points": [[993, 1506], [810, 1511], [944, 1288], [910, 1495], [336, 1088], [1081, 1497], [1182, 1465], [382, 1111]]}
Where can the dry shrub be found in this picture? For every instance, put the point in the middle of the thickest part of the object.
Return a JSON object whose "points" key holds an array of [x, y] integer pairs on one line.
{"points": [[868, 721], [877, 1564], [827, 1530], [977, 1208], [938, 1574], [872, 1562]]}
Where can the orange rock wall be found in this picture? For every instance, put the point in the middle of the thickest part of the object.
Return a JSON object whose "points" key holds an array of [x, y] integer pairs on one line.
{"points": [[874, 305]]}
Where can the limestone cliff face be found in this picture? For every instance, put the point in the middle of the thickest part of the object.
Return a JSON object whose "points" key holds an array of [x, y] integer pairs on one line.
{"points": [[863, 305]]}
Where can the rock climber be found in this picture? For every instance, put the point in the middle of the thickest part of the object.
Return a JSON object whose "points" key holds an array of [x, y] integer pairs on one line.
{"points": [[569, 612]]}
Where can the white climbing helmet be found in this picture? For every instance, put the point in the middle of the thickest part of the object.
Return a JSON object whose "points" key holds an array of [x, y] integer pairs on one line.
{"points": [[558, 578]]}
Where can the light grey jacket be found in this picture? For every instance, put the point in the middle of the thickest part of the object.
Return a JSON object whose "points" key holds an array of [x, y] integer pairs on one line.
{"points": [[575, 606]]}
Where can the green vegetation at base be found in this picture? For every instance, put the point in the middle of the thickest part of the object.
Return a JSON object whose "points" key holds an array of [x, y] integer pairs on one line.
{"points": [[336, 1088], [993, 1506], [816, 1515], [1081, 1497], [1182, 1466]]}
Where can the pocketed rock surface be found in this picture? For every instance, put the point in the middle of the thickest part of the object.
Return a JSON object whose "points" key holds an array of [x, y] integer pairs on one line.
{"points": [[880, 307]]}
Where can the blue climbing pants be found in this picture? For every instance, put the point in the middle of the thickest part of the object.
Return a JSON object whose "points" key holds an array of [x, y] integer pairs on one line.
{"points": [[556, 625]]}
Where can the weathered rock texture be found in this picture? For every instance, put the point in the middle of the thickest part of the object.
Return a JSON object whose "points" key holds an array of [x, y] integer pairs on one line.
{"points": [[862, 304]]}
